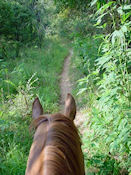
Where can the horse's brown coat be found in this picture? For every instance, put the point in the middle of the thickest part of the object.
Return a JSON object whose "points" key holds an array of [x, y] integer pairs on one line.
{"points": [[56, 149]]}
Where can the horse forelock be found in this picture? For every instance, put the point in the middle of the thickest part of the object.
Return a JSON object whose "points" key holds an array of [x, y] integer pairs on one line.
{"points": [[57, 145]]}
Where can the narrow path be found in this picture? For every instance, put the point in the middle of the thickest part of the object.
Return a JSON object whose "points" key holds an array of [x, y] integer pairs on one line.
{"points": [[66, 87], [65, 84], [81, 117]]}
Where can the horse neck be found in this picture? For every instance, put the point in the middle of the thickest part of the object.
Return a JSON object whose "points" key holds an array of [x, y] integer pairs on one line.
{"points": [[35, 158], [46, 157]]}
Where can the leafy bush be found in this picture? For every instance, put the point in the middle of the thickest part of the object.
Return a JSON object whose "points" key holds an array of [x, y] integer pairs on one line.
{"points": [[107, 85]]}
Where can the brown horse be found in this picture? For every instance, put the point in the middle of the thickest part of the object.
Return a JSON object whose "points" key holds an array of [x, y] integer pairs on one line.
{"points": [[56, 148]]}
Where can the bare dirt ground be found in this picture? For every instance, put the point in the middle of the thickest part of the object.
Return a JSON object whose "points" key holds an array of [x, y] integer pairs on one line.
{"points": [[65, 84], [66, 87]]}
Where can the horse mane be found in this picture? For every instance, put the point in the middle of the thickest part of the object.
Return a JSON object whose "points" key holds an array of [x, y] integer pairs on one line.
{"points": [[57, 140]]}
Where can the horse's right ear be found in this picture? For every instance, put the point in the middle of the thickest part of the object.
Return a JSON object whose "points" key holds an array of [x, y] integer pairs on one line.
{"points": [[70, 107], [37, 109]]}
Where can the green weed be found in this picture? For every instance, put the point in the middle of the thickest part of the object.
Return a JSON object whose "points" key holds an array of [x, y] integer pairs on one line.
{"points": [[35, 73], [105, 90]]}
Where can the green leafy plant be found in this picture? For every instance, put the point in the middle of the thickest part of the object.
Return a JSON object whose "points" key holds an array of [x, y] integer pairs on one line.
{"points": [[36, 73], [108, 145]]}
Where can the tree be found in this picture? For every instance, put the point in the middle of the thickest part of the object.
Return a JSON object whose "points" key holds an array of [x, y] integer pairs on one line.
{"points": [[22, 22]]}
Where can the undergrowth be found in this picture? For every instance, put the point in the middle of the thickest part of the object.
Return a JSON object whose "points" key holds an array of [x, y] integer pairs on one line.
{"points": [[35, 73], [104, 91]]}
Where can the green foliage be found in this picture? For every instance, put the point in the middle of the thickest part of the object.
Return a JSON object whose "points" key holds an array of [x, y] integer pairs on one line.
{"points": [[106, 88], [88, 48], [21, 23], [35, 73], [46, 63], [61, 4], [15, 137]]}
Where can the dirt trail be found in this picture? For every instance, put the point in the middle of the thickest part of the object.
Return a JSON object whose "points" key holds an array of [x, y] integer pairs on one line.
{"points": [[66, 87], [65, 84], [81, 117]]}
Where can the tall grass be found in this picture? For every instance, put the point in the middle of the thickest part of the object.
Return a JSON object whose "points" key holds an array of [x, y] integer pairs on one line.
{"points": [[36, 72]]}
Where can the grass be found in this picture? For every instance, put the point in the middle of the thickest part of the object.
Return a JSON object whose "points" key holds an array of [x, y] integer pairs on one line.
{"points": [[19, 87]]}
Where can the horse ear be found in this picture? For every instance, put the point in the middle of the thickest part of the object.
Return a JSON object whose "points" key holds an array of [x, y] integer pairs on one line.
{"points": [[70, 107], [37, 109]]}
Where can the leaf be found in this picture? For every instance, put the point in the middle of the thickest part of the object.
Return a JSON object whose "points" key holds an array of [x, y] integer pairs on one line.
{"points": [[104, 7], [83, 80], [126, 7], [99, 19], [98, 5], [111, 137], [11, 83], [113, 146], [118, 36], [126, 16], [93, 2], [120, 11], [122, 125], [81, 91], [102, 60], [124, 29]]}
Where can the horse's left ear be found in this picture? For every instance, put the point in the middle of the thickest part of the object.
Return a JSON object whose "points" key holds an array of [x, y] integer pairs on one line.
{"points": [[37, 109], [70, 107]]}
